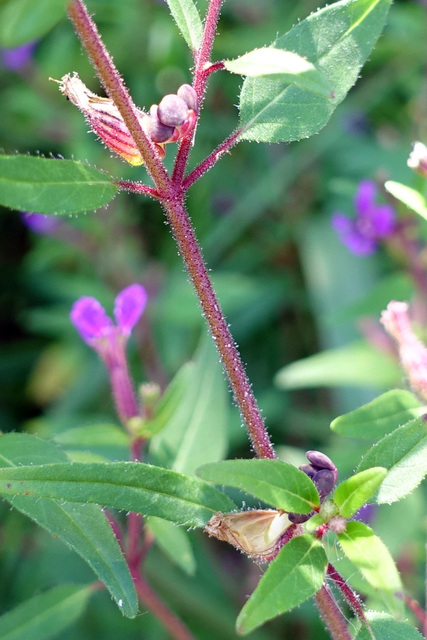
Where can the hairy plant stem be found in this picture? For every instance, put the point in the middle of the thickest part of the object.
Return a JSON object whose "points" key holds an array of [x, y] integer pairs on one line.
{"points": [[331, 615], [245, 399]]}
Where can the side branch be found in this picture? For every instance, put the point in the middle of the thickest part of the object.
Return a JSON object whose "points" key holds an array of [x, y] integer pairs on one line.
{"points": [[211, 159]]}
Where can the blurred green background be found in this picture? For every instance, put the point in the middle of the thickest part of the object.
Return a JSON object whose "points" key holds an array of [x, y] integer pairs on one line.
{"points": [[289, 289]]}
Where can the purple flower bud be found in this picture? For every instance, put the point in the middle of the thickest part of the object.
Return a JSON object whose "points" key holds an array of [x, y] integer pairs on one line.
{"points": [[308, 469], [154, 129], [129, 306], [172, 111], [17, 58], [325, 482], [319, 460], [90, 319], [299, 518], [40, 223], [187, 93]]}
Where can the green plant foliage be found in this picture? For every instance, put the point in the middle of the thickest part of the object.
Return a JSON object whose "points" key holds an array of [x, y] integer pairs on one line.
{"points": [[187, 18], [380, 416], [411, 198], [106, 440], [277, 483], [174, 542], [45, 185], [370, 555], [284, 66], [384, 627], [330, 368], [84, 528], [134, 486], [45, 615], [197, 430], [25, 20], [404, 454], [286, 583], [336, 40], [352, 494]]}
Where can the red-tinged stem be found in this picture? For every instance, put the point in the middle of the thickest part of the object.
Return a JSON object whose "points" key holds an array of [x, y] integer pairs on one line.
{"points": [[418, 612], [199, 84], [331, 615], [210, 160], [214, 66], [117, 91], [151, 600], [245, 399], [137, 187], [348, 593]]}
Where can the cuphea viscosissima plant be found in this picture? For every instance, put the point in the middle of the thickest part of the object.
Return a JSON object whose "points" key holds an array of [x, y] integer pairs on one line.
{"points": [[290, 90]]}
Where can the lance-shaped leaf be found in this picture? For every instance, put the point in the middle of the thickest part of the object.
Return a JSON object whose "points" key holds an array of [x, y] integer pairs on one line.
{"points": [[404, 454], [174, 542], [277, 483], [370, 555], [187, 18], [281, 65], [380, 416], [337, 40], [351, 494], [132, 486], [383, 626], [295, 575], [411, 198], [46, 185], [25, 20], [46, 614], [84, 528]]}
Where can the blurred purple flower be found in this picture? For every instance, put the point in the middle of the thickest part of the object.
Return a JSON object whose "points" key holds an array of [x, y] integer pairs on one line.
{"points": [[40, 223], [366, 514], [15, 59], [372, 223], [96, 328]]}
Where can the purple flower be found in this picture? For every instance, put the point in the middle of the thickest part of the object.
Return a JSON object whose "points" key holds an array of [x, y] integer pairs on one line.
{"points": [[40, 223], [15, 59], [96, 328], [372, 223]]}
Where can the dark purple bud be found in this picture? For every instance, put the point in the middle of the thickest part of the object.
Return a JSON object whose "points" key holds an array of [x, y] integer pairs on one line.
{"points": [[187, 93], [325, 482], [319, 460], [154, 129], [308, 469], [299, 518], [172, 111]]}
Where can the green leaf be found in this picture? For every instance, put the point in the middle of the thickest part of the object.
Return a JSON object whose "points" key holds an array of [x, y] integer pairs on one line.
{"points": [[337, 40], [295, 575], [409, 197], [174, 542], [385, 627], [277, 483], [284, 66], [380, 416], [351, 494], [404, 453], [84, 528], [45, 185], [106, 440], [131, 486], [25, 20], [197, 431], [370, 555], [170, 401], [330, 368], [187, 18], [45, 615]]}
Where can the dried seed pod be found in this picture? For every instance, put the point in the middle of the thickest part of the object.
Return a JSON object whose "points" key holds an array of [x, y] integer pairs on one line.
{"points": [[172, 111], [187, 93], [155, 130], [256, 532]]}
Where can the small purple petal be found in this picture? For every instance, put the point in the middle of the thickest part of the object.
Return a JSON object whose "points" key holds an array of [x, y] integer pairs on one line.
{"points": [[364, 199], [90, 319], [383, 220], [129, 306], [40, 223], [352, 236], [15, 59]]}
